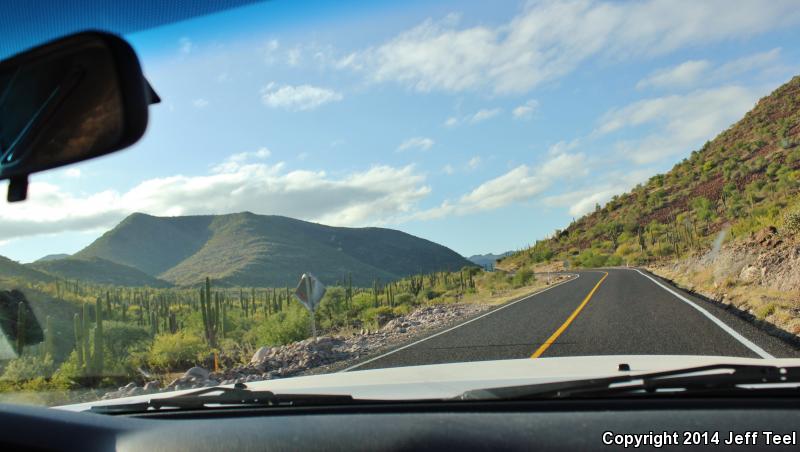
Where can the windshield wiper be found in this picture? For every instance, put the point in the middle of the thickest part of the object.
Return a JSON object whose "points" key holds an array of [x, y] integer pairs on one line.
{"points": [[217, 396], [714, 379]]}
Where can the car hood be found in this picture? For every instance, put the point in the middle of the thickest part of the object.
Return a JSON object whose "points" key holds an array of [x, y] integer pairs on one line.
{"points": [[449, 380]]}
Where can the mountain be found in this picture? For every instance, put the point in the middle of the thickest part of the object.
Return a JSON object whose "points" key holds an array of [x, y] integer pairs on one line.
{"points": [[744, 180], [97, 270], [487, 259], [14, 270], [52, 257], [265, 250]]}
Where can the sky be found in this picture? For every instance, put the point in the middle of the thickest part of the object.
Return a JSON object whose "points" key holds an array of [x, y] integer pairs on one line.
{"points": [[483, 126]]}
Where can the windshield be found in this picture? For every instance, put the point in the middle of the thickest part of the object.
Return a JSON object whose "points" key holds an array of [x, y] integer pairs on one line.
{"points": [[351, 186]]}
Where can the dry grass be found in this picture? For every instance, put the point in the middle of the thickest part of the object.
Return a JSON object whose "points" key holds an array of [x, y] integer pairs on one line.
{"points": [[502, 296], [780, 308]]}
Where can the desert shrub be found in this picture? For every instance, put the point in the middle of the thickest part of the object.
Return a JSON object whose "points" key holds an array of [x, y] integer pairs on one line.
{"points": [[290, 325], [405, 298], [121, 342], [523, 277], [177, 351], [370, 316], [27, 368], [332, 311], [764, 311], [121, 338], [590, 259], [791, 222], [429, 294], [402, 309]]}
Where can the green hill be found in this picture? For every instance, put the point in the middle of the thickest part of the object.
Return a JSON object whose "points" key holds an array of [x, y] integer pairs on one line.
{"points": [[742, 181], [265, 250], [13, 270], [97, 270]]}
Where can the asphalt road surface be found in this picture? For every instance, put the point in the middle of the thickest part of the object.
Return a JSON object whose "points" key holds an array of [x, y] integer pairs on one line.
{"points": [[600, 312]]}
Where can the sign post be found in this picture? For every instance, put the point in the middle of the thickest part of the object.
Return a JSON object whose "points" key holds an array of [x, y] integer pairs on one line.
{"points": [[309, 292]]}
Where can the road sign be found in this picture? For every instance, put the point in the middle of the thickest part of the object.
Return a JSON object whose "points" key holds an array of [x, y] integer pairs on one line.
{"points": [[310, 291]]}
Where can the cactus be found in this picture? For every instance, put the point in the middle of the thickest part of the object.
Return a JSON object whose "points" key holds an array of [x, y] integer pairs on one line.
{"points": [[153, 324], [210, 313], [87, 353], [21, 328], [99, 339], [49, 339], [222, 321], [78, 327]]}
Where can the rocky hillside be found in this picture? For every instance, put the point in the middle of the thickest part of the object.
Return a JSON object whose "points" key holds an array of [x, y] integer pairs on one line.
{"points": [[742, 181], [245, 249]]}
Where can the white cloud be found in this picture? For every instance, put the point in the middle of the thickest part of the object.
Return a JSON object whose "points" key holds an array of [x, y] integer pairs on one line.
{"points": [[754, 62], [682, 75], [525, 111], [270, 50], [474, 162], [583, 201], [200, 103], [698, 72], [479, 116], [72, 173], [298, 98], [519, 184], [293, 56], [681, 122], [186, 45], [448, 169], [371, 197], [562, 147], [549, 39], [484, 114], [234, 161], [421, 143]]}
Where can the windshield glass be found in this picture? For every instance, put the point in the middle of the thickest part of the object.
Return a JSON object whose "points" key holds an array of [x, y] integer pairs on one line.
{"points": [[369, 185]]}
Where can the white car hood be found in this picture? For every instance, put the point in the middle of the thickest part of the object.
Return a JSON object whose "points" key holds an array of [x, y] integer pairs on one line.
{"points": [[450, 380]]}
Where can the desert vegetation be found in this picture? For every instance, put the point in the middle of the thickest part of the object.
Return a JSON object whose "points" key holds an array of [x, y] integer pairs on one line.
{"points": [[98, 336]]}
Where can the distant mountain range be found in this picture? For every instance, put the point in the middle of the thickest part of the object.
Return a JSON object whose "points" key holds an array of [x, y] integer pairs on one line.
{"points": [[487, 259], [52, 257], [246, 249]]}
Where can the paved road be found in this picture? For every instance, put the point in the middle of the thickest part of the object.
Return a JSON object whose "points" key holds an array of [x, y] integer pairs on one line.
{"points": [[608, 312]]}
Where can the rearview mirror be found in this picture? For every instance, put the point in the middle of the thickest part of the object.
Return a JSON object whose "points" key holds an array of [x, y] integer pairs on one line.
{"points": [[69, 100]]}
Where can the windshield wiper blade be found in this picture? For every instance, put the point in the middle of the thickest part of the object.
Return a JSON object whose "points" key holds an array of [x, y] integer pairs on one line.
{"points": [[218, 396], [714, 378]]}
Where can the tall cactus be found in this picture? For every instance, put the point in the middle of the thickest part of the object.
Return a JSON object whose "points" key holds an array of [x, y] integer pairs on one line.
{"points": [[87, 352], [49, 339], [21, 327], [210, 312], [78, 327], [99, 339]]}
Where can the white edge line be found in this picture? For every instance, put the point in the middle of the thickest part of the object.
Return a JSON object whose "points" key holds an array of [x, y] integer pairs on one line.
{"points": [[746, 342], [459, 325]]}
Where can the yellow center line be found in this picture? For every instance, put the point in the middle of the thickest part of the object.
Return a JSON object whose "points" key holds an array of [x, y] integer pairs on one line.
{"points": [[569, 320]]}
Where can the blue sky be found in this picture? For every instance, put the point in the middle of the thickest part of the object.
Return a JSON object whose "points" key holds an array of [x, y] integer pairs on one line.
{"points": [[481, 126]]}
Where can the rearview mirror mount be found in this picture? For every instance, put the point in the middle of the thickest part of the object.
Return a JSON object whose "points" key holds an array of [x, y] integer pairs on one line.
{"points": [[69, 100]]}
